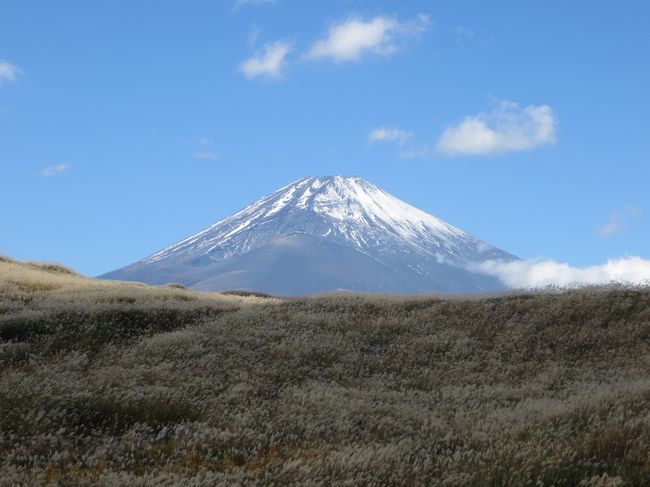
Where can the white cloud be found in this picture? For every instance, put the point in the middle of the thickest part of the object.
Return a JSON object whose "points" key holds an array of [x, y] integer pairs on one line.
{"points": [[54, 170], [508, 128], [268, 62], [8, 72], [242, 3], [207, 155], [524, 274], [390, 134], [618, 222], [351, 39]]}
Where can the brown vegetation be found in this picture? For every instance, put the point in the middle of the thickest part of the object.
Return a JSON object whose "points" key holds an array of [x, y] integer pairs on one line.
{"points": [[105, 383]]}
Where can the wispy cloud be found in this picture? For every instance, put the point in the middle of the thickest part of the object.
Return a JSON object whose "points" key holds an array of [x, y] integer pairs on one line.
{"points": [[8, 71], [508, 128], [463, 33], [242, 3], [390, 134], [524, 274], [54, 170], [268, 62], [206, 151], [618, 222], [253, 35], [205, 154], [422, 152], [355, 38]]}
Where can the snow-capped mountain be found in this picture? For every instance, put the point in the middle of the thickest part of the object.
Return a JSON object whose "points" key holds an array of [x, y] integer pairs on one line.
{"points": [[323, 234]]}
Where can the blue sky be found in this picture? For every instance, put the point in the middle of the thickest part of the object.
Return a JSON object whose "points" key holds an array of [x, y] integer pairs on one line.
{"points": [[126, 126]]}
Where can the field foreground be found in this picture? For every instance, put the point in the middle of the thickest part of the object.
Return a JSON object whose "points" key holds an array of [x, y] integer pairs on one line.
{"points": [[105, 383]]}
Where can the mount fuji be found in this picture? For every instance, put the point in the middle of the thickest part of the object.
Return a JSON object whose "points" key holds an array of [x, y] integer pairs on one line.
{"points": [[323, 234]]}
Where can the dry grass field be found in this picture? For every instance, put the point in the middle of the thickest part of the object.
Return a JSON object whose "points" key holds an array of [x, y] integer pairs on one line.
{"points": [[105, 383]]}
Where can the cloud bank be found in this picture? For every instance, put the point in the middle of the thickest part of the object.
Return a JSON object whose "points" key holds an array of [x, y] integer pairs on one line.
{"points": [[508, 128], [537, 274], [390, 134], [354, 38], [269, 62]]}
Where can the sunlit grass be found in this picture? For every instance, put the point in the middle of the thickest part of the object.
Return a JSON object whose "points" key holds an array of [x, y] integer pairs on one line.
{"points": [[105, 383]]}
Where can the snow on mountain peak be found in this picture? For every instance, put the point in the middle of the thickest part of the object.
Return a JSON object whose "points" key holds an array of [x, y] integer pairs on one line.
{"points": [[349, 199], [323, 233], [348, 210]]}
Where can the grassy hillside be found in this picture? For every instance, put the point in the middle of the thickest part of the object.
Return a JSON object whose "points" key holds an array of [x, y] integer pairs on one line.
{"points": [[106, 383]]}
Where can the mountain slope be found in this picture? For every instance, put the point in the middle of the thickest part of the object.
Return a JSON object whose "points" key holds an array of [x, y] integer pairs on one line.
{"points": [[321, 234]]}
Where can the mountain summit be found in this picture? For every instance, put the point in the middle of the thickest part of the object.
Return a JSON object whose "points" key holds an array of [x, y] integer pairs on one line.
{"points": [[323, 234]]}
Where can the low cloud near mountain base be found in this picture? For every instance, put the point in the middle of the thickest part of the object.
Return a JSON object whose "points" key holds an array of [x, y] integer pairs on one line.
{"points": [[536, 274]]}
